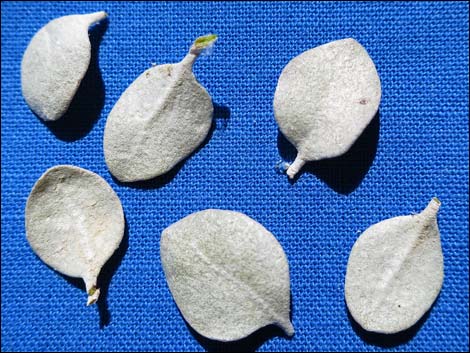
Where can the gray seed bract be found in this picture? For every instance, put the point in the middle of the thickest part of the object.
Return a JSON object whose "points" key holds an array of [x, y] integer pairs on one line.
{"points": [[55, 62], [325, 98], [395, 271], [228, 275], [159, 120], [74, 223]]}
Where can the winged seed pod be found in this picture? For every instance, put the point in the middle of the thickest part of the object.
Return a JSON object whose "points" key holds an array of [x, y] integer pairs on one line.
{"points": [[55, 62], [324, 100], [395, 271], [74, 223], [159, 120], [228, 275]]}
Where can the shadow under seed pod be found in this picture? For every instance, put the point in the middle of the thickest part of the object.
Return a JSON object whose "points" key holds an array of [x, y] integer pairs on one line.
{"points": [[221, 113], [388, 341], [343, 173], [88, 101], [104, 278], [248, 344], [107, 272], [221, 116]]}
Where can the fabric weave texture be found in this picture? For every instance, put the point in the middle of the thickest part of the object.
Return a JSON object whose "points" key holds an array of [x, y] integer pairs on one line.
{"points": [[415, 149]]}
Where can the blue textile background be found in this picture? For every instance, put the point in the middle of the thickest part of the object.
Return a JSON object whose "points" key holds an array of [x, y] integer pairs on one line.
{"points": [[416, 149]]}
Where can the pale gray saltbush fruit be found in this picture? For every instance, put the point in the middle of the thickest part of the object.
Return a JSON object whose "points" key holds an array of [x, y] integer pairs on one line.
{"points": [[228, 275], [159, 120], [74, 223], [324, 100], [395, 271], [55, 62]]}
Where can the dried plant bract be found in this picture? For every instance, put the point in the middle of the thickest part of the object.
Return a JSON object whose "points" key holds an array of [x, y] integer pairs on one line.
{"points": [[55, 62], [74, 223], [228, 275], [324, 100], [159, 120], [395, 271]]}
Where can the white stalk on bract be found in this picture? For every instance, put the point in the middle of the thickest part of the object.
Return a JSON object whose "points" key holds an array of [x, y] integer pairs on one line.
{"points": [[395, 271], [324, 100], [74, 223], [55, 62], [228, 275], [159, 120]]}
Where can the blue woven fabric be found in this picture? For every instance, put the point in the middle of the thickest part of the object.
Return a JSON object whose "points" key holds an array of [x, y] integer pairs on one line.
{"points": [[416, 149]]}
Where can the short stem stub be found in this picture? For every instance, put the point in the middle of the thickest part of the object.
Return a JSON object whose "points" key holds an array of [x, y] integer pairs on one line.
{"points": [[295, 167], [92, 291], [93, 296], [287, 327], [96, 17], [432, 208]]}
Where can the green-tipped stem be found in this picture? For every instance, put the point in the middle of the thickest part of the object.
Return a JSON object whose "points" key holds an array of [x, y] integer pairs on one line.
{"points": [[92, 291], [199, 45], [295, 167], [202, 43]]}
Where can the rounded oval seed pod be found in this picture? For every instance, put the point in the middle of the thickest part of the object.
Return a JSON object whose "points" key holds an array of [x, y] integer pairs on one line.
{"points": [[159, 120], [324, 100], [228, 275], [55, 62], [395, 271], [74, 223]]}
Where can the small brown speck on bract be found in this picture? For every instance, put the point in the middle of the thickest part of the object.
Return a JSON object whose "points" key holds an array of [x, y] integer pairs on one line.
{"points": [[176, 123], [311, 117]]}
